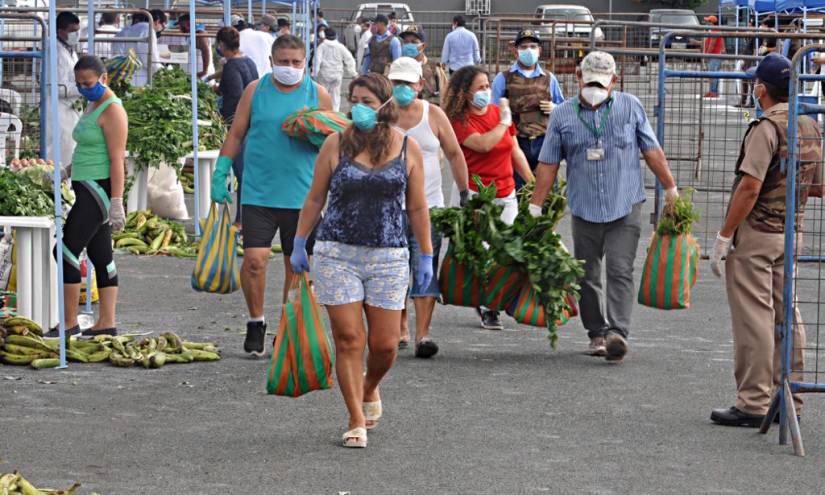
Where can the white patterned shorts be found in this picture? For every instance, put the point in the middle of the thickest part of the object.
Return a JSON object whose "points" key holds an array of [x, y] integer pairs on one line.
{"points": [[344, 274]]}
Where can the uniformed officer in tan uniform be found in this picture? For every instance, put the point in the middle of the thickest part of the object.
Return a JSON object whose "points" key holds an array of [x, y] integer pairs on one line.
{"points": [[754, 229], [413, 44], [532, 93]]}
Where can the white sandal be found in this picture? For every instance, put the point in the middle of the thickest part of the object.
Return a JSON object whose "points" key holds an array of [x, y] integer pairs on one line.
{"points": [[372, 413], [356, 438]]}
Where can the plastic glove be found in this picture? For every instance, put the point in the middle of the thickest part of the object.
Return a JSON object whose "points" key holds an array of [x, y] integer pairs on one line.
{"points": [[220, 193], [462, 197], [506, 114], [117, 217], [671, 195], [425, 271], [534, 210], [299, 259], [546, 107], [721, 248]]}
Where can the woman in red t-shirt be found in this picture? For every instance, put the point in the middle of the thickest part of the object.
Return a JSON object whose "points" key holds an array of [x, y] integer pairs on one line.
{"points": [[488, 140], [487, 136]]}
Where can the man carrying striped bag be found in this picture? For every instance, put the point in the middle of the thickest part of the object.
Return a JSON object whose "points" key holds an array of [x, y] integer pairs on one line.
{"points": [[600, 133]]}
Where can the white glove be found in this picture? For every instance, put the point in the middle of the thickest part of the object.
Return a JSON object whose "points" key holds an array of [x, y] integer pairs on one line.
{"points": [[721, 248], [506, 113], [546, 107], [117, 217], [534, 210]]}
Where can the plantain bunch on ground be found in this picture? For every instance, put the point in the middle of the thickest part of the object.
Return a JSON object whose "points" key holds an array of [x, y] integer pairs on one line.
{"points": [[15, 484], [149, 234], [21, 343]]}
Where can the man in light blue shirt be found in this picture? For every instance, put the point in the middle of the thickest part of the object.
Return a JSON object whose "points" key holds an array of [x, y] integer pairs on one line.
{"points": [[382, 50], [532, 94], [600, 134], [460, 47]]}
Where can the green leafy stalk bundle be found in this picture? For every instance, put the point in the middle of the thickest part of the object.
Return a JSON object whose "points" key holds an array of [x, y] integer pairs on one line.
{"points": [[680, 218]]}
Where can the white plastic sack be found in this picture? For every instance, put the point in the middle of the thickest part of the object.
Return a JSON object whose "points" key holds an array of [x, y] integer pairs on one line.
{"points": [[165, 194]]}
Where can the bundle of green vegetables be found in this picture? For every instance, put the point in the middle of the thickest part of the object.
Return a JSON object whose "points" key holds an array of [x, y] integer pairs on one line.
{"points": [[21, 197], [160, 120], [680, 218]]}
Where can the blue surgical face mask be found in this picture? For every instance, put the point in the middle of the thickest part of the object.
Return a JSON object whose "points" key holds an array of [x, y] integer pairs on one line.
{"points": [[755, 99], [528, 56], [94, 93], [404, 95], [482, 98], [409, 50], [365, 118]]}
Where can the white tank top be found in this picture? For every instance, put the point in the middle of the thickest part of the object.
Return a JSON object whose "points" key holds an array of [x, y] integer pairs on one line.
{"points": [[431, 150]]}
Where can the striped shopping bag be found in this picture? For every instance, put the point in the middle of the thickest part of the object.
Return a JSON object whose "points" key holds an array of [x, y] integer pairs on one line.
{"points": [[121, 68], [457, 284], [502, 287], [216, 269], [670, 270], [528, 310], [314, 125], [302, 359]]}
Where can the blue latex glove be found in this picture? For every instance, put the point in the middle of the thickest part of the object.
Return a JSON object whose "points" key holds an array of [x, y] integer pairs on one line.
{"points": [[425, 271], [299, 259], [220, 193]]}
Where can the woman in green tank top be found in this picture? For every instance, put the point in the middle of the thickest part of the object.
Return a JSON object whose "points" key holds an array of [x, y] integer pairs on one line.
{"points": [[97, 175]]}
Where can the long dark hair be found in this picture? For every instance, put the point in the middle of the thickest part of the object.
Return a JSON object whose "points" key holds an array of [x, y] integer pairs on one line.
{"points": [[377, 141], [458, 97]]}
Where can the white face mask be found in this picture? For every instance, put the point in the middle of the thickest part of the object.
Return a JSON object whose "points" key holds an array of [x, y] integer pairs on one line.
{"points": [[73, 38], [594, 95], [287, 75]]}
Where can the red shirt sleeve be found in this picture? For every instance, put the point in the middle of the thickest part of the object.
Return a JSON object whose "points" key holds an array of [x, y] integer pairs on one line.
{"points": [[462, 131]]}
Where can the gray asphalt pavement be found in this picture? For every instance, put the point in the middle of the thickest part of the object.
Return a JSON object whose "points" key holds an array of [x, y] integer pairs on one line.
{"points": [[494, 412]]}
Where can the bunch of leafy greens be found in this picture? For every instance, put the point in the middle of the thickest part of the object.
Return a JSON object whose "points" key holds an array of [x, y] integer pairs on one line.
{"points": [[680, 218], [160, 120], [469, 227], [481, 241], [20, 197]]}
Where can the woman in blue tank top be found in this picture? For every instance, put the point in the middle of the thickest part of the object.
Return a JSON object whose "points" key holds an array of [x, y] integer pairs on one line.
{"points": [[368, 173]]}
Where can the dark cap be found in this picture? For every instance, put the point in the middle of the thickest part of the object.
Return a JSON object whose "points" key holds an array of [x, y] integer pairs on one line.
{"points": [[774, 70], [382, 18], [283, 22], [330, 33], [527, 34], [415, 31]]}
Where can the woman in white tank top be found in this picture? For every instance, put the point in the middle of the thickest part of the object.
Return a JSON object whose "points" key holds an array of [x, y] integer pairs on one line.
{"points": [[429, 126]]}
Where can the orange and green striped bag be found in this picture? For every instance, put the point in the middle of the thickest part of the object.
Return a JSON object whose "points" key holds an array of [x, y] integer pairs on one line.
{"points": [[302, 358], [502, 287], [458, 285], [528, 310], [670, 270], [216, 269]]}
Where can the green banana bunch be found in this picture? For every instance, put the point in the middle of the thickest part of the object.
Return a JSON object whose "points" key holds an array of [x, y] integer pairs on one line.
{"points": [[19, 321]]}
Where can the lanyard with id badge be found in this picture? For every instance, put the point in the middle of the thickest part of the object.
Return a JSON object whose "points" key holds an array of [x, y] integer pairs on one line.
{"points": [[595, 153]]}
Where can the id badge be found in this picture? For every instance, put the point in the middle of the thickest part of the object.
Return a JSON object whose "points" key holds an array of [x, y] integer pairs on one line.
{"points": [[595, 154]]}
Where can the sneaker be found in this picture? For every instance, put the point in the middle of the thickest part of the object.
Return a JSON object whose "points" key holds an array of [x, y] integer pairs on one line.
{"points": [[255, 336], [596, 347], [54, 333], [491, 320], [615, 347]]}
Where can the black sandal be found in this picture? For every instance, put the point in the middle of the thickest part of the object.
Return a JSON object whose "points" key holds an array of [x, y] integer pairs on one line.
{"points": [[426, 349]]}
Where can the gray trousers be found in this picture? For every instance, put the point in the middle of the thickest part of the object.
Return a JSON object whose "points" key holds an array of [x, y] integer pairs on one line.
{"points": [[614, 244]]}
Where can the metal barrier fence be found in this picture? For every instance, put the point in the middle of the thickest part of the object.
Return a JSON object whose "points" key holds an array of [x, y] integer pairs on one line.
{"points": [[803, 283]]}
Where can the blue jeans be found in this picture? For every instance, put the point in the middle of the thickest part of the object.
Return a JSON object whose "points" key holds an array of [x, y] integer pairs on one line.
{"points": [[714, 65], [415, 258], [531, 149]]}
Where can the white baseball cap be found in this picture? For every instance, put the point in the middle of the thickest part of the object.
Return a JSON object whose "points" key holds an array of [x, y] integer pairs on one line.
{"points": [[598, 67], [406, 69]]}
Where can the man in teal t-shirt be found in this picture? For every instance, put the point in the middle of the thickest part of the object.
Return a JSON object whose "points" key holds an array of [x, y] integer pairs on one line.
{"points": [[277, 171]]}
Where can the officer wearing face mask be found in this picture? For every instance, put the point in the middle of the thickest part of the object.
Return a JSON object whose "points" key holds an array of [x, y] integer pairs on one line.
{"points": [[68, 32], [277, 171], [532, 92], [600, 134], [414, 42]]}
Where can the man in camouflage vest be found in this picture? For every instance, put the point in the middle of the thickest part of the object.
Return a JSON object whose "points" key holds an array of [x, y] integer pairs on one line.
{"points": [[755, 226], [382, 50], [532, 93], [414, 42]]}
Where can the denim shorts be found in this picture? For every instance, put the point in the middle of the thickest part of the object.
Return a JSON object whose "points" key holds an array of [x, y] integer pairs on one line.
{"points": [[415, 253], [345, 274]]}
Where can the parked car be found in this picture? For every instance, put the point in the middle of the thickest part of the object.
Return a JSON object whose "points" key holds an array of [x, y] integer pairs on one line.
{"points": [[682, 17], [580, 21], [402, 11]]}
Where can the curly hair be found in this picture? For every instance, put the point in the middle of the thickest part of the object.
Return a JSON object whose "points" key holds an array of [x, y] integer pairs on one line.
{"points": [[458, 98], [376, 141]]}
